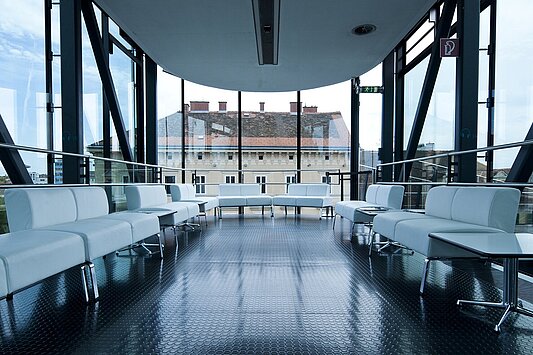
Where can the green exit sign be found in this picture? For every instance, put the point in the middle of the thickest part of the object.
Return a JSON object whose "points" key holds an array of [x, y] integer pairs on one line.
{"points": [[371, 89]]}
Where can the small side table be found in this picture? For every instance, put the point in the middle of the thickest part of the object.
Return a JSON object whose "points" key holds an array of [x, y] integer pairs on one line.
{"points": [[508, 246]]}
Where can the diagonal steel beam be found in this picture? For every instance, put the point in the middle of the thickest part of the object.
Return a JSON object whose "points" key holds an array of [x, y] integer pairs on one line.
{"points": [[522, 167], [106, 78], [11, 159], [443, 30]]}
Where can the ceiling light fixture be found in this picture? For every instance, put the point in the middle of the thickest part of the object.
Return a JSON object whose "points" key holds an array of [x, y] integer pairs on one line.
{"points": [[363, 29]]}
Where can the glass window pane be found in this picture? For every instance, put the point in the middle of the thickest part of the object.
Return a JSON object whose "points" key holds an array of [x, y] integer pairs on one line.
{"points": [[514, 78], [326, 135]]}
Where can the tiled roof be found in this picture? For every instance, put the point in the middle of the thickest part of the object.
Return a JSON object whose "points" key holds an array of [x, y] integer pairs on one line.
{"points": [[260, 129]]}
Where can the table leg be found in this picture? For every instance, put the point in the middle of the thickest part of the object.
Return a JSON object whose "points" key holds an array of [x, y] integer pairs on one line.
{"points": [[510, 294]]}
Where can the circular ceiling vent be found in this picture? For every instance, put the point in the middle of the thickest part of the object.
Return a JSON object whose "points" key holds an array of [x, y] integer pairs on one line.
{"points": [[363, 29]]}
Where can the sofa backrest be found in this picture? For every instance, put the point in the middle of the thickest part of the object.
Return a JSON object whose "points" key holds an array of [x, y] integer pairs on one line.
{"points": [[182, 192], [494, 207], [29, 208], [390, 196], [308, 190], [487, 206], [371, 193], [239, 189], [91, 201], [439, 201], [141, 196], [297, 190]]}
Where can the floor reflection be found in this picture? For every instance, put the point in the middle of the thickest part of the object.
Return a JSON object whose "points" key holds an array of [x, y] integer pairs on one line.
{"points": [[247, 285]]}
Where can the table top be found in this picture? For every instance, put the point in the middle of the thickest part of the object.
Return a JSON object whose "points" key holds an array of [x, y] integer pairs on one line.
{"points": [[372, 210], [495, 245], [159, 212]]}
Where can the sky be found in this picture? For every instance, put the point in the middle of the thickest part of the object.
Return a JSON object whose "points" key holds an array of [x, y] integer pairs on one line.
{"points": [[22, 86]]}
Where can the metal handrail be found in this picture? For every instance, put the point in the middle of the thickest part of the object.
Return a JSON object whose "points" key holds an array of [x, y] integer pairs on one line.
{"points": [[83, 156], [461, 152]]}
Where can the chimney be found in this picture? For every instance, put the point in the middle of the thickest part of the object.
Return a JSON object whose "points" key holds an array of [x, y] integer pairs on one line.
{"points": [[222, 106], [294, 108], [310, 109], [261, 107], [199, 106]]}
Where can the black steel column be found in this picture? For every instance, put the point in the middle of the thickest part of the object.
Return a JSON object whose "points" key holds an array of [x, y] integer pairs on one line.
{"points": [[443, 30], [354, 141], [49, 57], [491, 91], [466, 92], [184, 120], [139, 105], [399, 121], [106, 78], [71, 89], [387, 116], [151, 110], [298, 138], [239, 137]]}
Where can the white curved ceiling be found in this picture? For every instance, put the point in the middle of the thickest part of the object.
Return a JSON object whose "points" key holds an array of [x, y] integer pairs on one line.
{"points": [[213, 42]]}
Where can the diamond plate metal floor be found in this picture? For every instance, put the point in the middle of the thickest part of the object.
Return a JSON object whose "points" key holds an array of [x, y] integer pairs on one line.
{"points": [[258, 285]]}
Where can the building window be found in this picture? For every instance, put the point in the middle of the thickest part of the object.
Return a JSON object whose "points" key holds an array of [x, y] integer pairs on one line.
{"points": [[200, 156], [326, 179], [326, 157], [199, 181], [291, 157], [261, 180], [289, 179], [230, 156], [260, 157], [169, 156], [230, 179]]}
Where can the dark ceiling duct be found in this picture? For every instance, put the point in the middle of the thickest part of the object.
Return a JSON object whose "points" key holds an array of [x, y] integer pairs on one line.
{"points": [[266, 20]]}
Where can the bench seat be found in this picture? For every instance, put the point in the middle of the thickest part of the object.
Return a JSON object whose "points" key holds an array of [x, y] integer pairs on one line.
{"points": [[30, 256], [451, 209]]}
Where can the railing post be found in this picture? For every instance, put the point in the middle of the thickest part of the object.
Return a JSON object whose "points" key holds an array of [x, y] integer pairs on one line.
{"points": [[87, 171]]}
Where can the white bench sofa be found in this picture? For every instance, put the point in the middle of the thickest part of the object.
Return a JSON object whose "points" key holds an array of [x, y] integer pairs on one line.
{"points": [[49, 225], [305, 195], [187, 193], [242, 195], [380, 196], [147, 198], [450, 209]]}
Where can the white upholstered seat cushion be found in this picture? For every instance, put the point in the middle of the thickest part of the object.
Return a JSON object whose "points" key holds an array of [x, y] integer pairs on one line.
{"points": [[385, 223], [101, 235], [142, 225], [258, 200], [313, 201], [192, 208], [284, 200], [415, 235], [231, 201], [32, 255], [348, 209]]}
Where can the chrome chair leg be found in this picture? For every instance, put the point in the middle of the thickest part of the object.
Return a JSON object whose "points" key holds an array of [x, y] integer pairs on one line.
{"points": [[370, 241], [334, 220], [84, 283], [424, 275], [94, 281]]}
